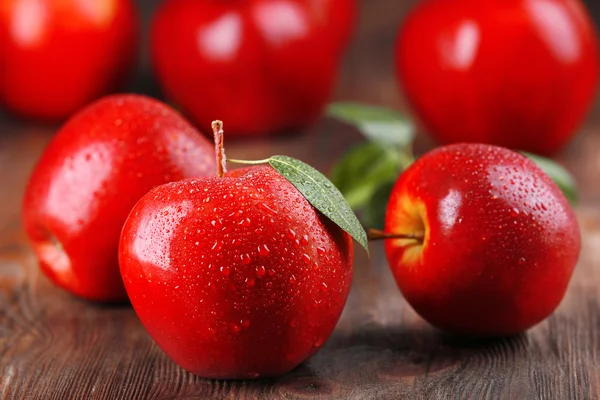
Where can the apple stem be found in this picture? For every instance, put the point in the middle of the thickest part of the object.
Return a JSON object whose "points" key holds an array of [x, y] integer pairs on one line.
{"points": [[375, 234], [217, 127]]}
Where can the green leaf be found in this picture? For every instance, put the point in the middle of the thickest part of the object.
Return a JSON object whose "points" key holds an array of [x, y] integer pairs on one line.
{"points": [[360, 172], [322, 194], [379, 124], [563, 179]]}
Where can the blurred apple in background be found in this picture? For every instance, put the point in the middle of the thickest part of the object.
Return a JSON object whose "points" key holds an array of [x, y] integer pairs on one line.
{"points": [[520, 73], [262, 65], [56, 56], [99, 164]]}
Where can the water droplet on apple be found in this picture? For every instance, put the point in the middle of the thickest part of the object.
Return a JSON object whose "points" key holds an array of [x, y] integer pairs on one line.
{"points": [[306, 258], [245, 323], [235, 328], [217, 223], [263, 250], [250, 282], [318, 342], [225, 271], [292, 280], [324, 287], [522, 261], [304, 240], [291, 234], [514, 213], [268, 209], [217, 246], [321, 250], [261, 271]]}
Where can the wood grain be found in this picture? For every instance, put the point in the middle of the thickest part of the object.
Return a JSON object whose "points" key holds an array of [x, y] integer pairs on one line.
{"points": [[54, 346]]}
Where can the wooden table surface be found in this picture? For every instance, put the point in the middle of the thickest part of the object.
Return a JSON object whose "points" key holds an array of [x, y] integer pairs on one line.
{"points": [[54, 346]]}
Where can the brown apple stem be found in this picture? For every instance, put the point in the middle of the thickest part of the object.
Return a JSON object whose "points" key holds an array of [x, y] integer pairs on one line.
{"points": [[374, 234], [217, 127]]}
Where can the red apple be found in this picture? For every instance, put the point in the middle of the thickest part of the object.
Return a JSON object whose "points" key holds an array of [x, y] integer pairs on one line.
{"points": [[235, 276], [58, 55], [494, 241], [102, 161], [276, 60], [520, 74]]}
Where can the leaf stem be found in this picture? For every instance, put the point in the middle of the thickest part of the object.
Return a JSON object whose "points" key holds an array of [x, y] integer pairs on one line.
{"points": [[250, 162], [375, 234], [217, 127]]}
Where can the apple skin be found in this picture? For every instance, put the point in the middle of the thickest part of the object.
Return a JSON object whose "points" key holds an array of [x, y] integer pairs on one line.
{"points": [[520, 74], [277, 60], [101, 162], [235, 277], [501, 241], [56, 56]]}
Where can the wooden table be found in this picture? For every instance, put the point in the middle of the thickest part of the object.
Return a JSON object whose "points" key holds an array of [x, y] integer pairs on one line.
{"points": [[54, 346]]}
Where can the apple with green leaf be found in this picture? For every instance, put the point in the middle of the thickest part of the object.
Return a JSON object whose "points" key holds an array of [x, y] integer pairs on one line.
{"points": [[366, 173], [480, 240], [244, 274]]}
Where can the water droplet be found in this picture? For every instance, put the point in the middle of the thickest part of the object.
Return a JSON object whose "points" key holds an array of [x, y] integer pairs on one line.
{"points": [[316, 266], [217, 223], [263, 250], [321, 250], [250, 282], [318, 342], [235, 328], [514, 213], [324, 287], [292, 280], [306, 258], [245, 222], [522, 261], [245, 259], [304, 240], [225, 271], [261, 271], [217, 246], [268, 209], [291, 234], [245, 323]]}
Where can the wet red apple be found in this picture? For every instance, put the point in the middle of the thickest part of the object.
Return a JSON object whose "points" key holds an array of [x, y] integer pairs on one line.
{"points": [[100, 163], [480, 240], [235, 276]]}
